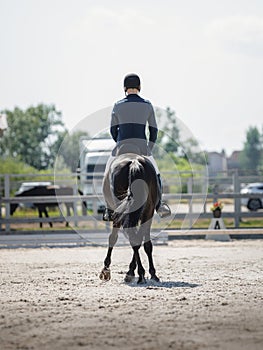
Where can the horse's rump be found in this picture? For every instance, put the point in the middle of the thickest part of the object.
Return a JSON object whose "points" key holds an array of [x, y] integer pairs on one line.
{"points": [[135, 190]]}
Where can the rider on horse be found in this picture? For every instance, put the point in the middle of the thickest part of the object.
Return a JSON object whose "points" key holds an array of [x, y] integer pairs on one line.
{"points": [[128, 123]]}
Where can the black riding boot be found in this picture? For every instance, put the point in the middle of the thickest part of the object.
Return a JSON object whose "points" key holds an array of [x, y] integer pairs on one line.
{"points": [[162, 208], [107, 215]]}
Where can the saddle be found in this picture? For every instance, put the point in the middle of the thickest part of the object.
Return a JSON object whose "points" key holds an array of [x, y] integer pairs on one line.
{"points": [[128, 148]]}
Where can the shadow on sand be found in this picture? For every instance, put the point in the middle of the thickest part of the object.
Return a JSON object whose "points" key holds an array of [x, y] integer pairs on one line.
{"points": [[162, 284]]}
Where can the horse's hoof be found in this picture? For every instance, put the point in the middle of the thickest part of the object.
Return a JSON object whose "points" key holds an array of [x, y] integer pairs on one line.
{"points": [[129, 278], [155, 278], [105, 274], [141, 280]]}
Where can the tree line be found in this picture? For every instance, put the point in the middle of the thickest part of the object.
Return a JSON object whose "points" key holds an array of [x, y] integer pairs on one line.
{"points": [[251, 156], [33, 139]]}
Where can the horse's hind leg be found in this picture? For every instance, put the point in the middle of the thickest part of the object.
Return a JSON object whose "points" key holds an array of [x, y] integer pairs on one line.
{"points": [[105, 273], [148, 247], [130, 274], [141, 271]]}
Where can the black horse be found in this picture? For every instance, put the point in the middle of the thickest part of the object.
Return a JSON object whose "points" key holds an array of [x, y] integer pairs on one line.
{"points": [[45, 191], [131, 190]]}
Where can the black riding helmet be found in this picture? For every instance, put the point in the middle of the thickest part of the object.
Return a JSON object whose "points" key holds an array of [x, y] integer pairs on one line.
{"points": [[132, 81]]}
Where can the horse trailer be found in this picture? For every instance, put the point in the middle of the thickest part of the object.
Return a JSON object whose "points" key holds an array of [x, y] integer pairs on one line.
{"points": [[94, 154]]}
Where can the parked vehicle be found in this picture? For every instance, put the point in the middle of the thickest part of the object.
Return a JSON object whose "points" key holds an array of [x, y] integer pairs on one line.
{"points": [[26, 186], [45, 191], [253, 204], [94, 154]]}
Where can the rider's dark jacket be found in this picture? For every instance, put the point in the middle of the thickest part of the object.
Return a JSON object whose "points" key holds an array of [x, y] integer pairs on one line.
{"points": [[128, 123]]}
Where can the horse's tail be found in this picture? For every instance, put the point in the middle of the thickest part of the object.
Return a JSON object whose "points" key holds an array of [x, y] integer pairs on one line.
{"points": [[130, 209]]}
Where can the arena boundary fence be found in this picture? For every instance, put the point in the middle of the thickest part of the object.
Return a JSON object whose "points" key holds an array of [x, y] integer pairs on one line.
{"points": [[6, 221]]}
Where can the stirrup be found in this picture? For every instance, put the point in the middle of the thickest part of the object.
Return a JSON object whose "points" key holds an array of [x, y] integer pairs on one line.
{"points": [[164, 210], [107, 215]]}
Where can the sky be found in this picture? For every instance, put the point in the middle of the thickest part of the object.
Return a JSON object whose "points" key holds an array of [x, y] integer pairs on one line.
{"points": [[203, 59]]}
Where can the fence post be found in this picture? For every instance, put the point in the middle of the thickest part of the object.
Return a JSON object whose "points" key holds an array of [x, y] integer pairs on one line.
{"points": [[237, 209], [7, 205], [0, 213], [75, 207], [205, 185], [215, 193], [190, 190]]}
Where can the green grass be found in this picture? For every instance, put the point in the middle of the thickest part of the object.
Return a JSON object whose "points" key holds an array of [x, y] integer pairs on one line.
{"points": [[255, 222]]}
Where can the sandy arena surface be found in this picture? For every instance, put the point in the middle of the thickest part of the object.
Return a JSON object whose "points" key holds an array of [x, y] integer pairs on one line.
{"points": [[210, 297]]}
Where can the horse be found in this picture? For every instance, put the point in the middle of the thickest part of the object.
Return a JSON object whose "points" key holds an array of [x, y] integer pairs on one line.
{"points": [[131, 190], [43, 191]]}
